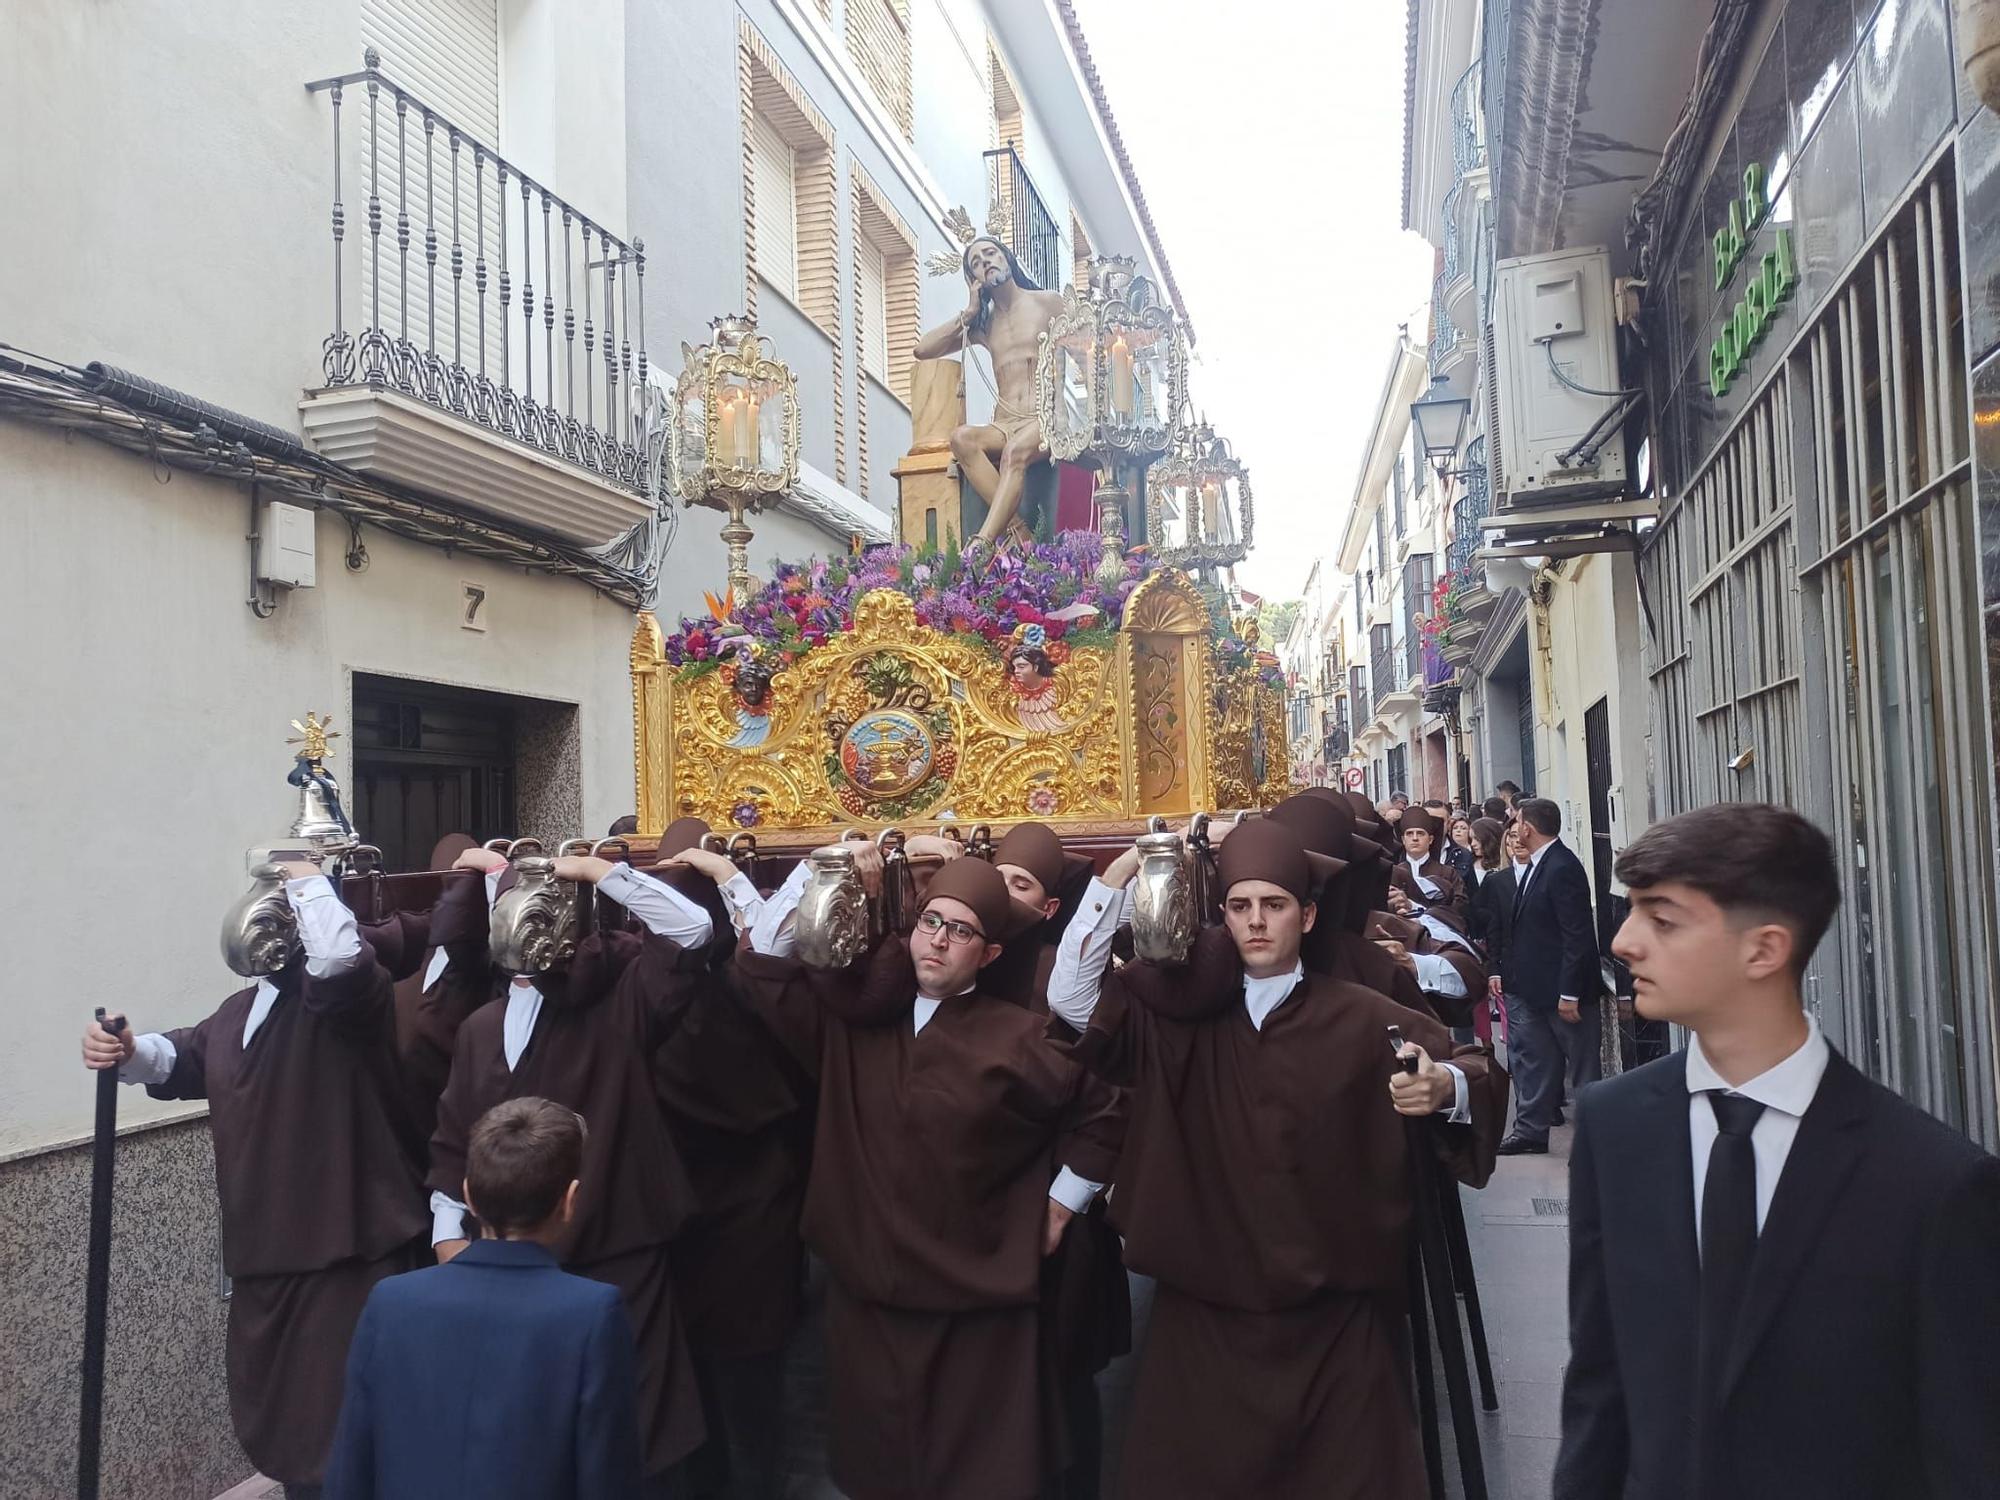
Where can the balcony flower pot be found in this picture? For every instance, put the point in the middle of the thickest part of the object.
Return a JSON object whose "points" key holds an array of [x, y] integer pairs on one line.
{"points": [[1457, 651]]}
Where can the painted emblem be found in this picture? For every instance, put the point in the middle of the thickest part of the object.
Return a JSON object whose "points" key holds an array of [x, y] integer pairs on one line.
{"points": [[887, 753]]}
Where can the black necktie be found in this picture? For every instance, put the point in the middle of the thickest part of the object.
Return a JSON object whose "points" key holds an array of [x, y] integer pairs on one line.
{"points": [[1521, 885], [1728, 1234]]}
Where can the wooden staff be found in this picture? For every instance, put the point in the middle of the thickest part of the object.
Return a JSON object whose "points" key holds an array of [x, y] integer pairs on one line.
{"points": [[97, 1277]]}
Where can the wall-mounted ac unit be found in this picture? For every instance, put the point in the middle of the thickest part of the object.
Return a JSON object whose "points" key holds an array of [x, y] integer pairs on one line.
{"points": [[1552, 381]]}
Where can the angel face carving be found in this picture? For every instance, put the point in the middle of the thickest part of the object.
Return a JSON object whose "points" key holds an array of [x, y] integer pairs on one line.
{"points": [[260, 932], [537, 922]]}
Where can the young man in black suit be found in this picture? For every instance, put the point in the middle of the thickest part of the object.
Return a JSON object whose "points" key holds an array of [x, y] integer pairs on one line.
{"points": [[1784, 1280], [1550, 979], [500, 1374]]}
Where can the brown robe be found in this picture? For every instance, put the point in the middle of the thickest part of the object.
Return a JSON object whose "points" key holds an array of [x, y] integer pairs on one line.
{"points": [[740, 1112], [1449, 905], [927, 1200], [1265, 1184], [321, 1193], [428, 1019], [1416, 938], [592, 1051]]}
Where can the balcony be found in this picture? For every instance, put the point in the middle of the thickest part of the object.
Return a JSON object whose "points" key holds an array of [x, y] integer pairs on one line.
{"points": [[487, 342], [1334, 744], [1023, 218], [1393, 692]]}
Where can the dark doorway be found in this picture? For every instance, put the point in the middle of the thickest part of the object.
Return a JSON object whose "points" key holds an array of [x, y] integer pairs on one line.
{"points": [[1597, 768], [428, 761]]}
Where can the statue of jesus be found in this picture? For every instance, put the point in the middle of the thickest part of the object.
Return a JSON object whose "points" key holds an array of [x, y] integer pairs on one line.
{"points": [[1006, 315]]}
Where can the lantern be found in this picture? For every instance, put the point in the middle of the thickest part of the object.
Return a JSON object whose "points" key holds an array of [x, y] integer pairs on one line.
{"points": [[1201, 518], [735, 432], [1111, 384]]}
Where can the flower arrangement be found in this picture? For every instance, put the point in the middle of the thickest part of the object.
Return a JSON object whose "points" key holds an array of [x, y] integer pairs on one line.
{"points": [[996, 597], [1435, 626]]}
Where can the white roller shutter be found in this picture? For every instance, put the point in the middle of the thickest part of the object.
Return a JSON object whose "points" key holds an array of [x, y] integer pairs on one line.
{"points": [[774, 177], [446, 53], [874, 309]]}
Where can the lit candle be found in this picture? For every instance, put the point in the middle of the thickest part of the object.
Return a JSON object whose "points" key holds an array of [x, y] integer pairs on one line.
{"points": [[727, 449], [749, 431], [1121, 377], [1211, 501]]}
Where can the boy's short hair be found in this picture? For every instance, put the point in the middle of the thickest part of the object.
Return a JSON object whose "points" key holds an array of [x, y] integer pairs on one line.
{"points": [[1752, 859], [523, 1155]]}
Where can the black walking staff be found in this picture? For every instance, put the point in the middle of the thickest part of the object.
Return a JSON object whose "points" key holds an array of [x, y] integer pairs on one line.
{"points": [[97, 1277], [1433, 1259]]}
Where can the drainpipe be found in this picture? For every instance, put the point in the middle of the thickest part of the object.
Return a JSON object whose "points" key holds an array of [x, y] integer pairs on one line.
{"points": [[1979, 35]]}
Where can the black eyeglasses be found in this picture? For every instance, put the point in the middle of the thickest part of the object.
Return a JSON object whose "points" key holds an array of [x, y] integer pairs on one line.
{"points": [[930, 924]]}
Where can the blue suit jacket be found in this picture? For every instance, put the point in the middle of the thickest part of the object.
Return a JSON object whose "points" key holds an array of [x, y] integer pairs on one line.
{"points": [[498, 1375]]}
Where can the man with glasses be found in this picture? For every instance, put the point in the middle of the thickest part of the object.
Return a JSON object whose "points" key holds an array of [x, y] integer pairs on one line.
{"points": [[954, 1143]]}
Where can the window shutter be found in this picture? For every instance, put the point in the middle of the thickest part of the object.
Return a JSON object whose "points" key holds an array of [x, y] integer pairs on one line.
{"points": [[874, 309], [777, 207]]}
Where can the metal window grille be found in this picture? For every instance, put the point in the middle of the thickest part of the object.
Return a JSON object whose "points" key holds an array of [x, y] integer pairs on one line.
{"points": [[1817, 626]]}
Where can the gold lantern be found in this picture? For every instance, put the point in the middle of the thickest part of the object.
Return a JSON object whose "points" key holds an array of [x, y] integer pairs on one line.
{"points": [[735, 434], [1111, 384], [1200, 511]]}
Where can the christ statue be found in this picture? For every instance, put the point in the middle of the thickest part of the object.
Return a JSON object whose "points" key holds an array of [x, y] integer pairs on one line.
{"points": [[1006, 315]]}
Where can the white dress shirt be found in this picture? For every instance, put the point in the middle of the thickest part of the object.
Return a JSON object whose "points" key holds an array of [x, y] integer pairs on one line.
{"points": [[1785, 1090], [1077, 979], [1424, 883], [771, 932], [332, 942], [1524, 871]]}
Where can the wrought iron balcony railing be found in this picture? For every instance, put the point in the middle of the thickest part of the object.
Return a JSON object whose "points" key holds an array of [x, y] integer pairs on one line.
{"points": [[1358, 700], [1335, 744], [1384, 672], [1444, 333], [1466, 536], [1026, 224], [1467, 153], [479, 291]]}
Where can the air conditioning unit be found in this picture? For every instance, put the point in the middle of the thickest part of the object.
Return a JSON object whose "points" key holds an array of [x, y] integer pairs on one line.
{"points": [[1552, 381]]}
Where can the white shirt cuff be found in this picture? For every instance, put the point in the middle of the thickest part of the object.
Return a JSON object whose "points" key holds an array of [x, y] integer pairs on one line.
{"points": [[771, 931], [663, 909], [1435, 973], [1461, 1102], [327, 929], [1073, 1192], [447, 1218], [151, 1062], [743, 900], [492, 879]]}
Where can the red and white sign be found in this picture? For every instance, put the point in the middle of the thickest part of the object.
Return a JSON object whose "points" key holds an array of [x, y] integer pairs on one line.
{"points": [[1355, 777]]}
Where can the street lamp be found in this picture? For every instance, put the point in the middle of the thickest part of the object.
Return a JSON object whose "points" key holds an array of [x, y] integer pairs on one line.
{"points": [[1200, 511], [1440, 423], [735, 434], [1111, 383]]}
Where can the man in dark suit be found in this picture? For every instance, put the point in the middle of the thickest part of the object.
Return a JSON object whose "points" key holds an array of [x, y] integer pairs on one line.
{"points": [[499, 1374], [1550, 979], [1782, 1276]]}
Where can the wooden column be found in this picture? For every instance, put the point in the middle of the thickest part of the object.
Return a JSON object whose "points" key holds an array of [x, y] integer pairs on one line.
{"points": [[927, 476]]}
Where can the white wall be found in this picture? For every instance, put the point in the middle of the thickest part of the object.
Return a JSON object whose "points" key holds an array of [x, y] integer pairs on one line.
{"points": [[1589, 649], [144, 752]]}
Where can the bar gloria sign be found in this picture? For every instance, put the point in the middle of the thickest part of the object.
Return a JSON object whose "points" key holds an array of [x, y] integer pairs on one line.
{"points": [[1770, 286]]}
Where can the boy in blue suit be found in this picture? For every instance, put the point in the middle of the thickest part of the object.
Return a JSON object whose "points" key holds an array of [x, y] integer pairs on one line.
{"points": [[498, 1375]]}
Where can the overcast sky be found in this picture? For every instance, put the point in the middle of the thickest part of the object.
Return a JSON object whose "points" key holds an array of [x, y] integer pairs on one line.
{"points": [[1268, 136]]}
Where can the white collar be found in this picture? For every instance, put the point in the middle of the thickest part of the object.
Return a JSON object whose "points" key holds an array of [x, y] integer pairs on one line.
{"points": [[260, 1007], [517, 1026], [1262, 996], [1535, 859], [1788, 1086], [923, 1008]]}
